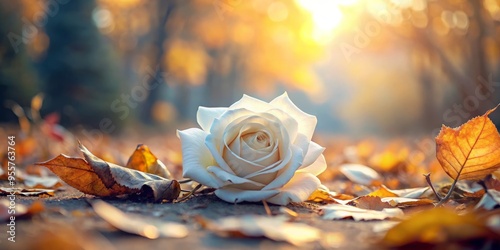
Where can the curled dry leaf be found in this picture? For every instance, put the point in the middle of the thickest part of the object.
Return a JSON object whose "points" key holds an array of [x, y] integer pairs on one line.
{"points": [[275, 228], [339, 211], [360, 174], [97, 177], [148, 227], [439, 227], [471, 151], [145, 161]]}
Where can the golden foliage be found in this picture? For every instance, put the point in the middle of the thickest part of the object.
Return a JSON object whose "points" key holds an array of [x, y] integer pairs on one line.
{"points": [[471, 151], [438, 226]]}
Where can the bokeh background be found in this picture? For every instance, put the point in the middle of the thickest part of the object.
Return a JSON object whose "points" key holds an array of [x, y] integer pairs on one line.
{"points": [[363, 67]]}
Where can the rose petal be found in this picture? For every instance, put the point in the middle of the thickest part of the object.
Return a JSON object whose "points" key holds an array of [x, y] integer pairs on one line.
{"points": [[302, 142], [285, 119], [313, 152], [286, 173], [196, 157], [206, 116], [230, 179], [216, 140], [234, 195], [251, 103], [210, 143], [298, 189], [286, 157], [240, 166], [307, 122], [316, 168]]}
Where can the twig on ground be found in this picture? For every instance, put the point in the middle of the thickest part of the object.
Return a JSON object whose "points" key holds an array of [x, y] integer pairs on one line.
{"points": [[190, 193], [428, 179]]}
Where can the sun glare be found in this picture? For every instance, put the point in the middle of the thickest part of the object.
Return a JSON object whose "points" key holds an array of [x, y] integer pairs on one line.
{"points": [[326, 16]]}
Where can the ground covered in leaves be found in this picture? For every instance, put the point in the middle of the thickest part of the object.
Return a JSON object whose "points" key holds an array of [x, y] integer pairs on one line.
{"points": [[405, 192], [68, 221]]}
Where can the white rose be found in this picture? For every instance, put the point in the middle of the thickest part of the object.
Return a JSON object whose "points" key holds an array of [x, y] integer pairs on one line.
{"points": [[254, 151]]}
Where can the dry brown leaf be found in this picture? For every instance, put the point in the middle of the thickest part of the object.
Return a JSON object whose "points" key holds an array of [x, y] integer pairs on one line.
{"points": [[371, 203], [145, 161], [471, 151], [97, 177], [439, 227], [148, 227], [26, 191], [492, 183]]}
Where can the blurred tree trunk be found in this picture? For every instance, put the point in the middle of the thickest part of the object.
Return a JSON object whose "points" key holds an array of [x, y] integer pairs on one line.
{"points": [[18, 79], [156, 94], [81, 79]]}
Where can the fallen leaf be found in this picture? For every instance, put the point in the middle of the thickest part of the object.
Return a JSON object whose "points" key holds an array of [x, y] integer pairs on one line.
{"points": [[42, 182], [360, 174], [490, 200], [7, 209], [406, 202], [26, 191], [471, 151], [97, 177], [276, 228], [409, 192], [371, 203], [321, 195], [439, 227], [339, 211], [492, 183], [148, 227], [145, 161], [382, 192]]}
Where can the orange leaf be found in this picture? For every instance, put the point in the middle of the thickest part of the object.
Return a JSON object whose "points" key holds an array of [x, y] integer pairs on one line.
{"points": [[471, 151], [97, 177], [145, 161], [321, 195], [438, 228], [382, 192]]}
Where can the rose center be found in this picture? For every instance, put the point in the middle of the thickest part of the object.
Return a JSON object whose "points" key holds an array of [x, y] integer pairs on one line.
{"points": [[258, 140]]}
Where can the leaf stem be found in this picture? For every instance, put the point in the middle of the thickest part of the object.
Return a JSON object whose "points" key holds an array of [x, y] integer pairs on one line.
{"points": [[450, 192], [428, 179], [190, 193]]}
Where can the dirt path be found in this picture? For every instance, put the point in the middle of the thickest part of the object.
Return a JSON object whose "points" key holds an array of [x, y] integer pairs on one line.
{"points": [[69, 219]]}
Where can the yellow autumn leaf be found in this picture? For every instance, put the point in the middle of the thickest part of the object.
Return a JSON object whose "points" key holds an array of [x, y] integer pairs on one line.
{"points": [[438, 228], [471, 151]]}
